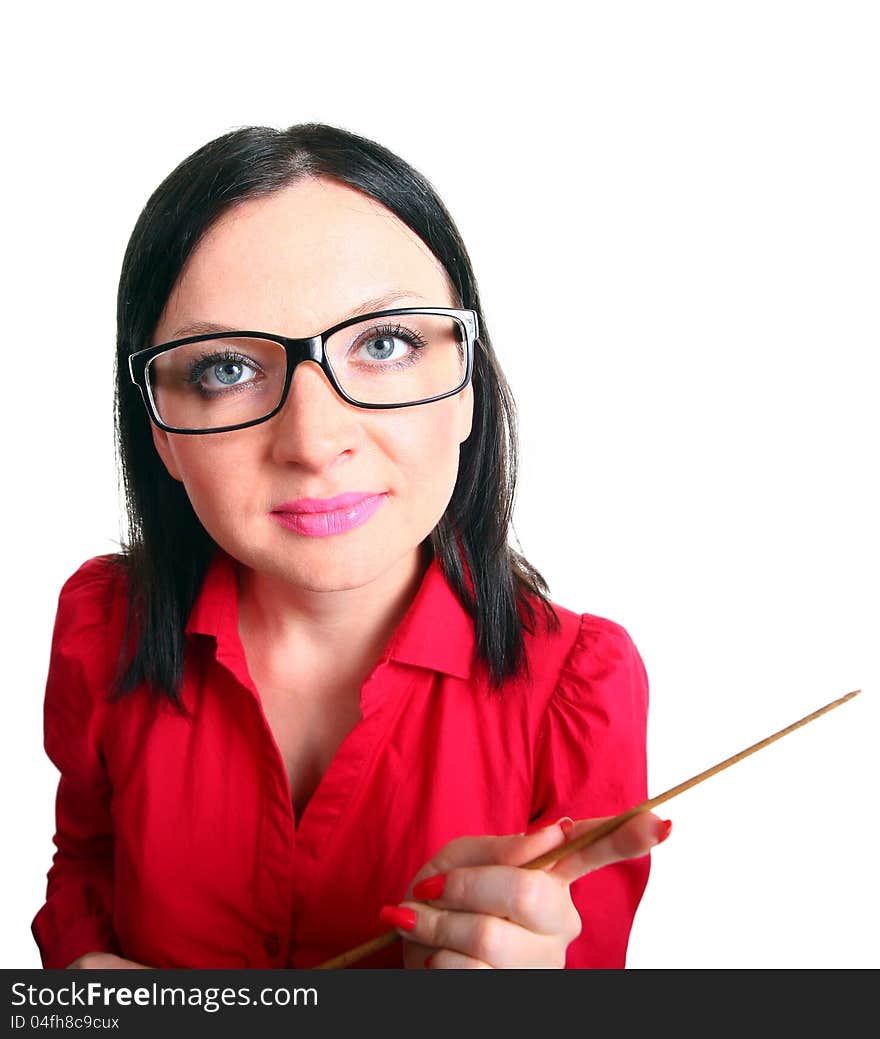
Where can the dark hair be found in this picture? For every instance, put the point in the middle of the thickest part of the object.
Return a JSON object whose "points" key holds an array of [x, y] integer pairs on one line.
{"points": [[168, 550]]}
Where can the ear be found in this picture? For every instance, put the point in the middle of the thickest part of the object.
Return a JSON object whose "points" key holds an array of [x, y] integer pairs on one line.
{"points": [[466, 403], [163, 446]]}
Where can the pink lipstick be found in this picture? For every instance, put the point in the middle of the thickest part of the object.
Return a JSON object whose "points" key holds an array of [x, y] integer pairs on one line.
{"points": [[321, 517]]}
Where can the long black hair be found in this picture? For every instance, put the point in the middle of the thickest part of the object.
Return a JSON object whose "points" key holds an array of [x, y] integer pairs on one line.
{"points": [[167, 551]]}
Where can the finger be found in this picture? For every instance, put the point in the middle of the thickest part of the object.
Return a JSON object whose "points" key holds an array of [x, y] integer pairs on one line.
{"points": [[489, 939], [426, 957], [532, 898], [448, 959], [506, 850], [633, 839]]}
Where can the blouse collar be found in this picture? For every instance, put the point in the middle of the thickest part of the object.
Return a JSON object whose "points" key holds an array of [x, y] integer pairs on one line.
{"points": [[436, 632]]}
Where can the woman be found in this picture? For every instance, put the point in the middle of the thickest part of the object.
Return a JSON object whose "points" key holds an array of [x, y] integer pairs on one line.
{"points": [[318, 675]]}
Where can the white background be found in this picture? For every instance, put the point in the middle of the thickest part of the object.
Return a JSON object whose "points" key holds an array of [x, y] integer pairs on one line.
{"points": [[672, 209]]}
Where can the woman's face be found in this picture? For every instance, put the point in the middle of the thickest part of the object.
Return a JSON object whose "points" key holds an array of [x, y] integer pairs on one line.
{"points": [[295, 263]]}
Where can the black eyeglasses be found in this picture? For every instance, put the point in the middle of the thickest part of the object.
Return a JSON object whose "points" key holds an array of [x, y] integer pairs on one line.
{"points": [[230, 380]]}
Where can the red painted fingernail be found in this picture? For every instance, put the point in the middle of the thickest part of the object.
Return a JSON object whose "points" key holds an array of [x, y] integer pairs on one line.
{"points": [[566, 825], [429, 961], [665, 832], [398, 916], [430, 887]]}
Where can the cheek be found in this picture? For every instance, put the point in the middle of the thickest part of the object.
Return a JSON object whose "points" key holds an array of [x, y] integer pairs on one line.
{"points": [[426, 449], [215, 476]]}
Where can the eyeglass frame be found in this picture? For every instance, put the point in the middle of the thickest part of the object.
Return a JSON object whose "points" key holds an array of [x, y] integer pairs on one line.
{"points": [[297, 350]]}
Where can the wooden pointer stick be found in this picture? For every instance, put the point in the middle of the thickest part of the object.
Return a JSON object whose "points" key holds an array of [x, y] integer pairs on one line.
{"points": [[603, 829]]}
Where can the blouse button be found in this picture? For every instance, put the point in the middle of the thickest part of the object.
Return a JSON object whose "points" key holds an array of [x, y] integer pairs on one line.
{"points": [[271, 945]]}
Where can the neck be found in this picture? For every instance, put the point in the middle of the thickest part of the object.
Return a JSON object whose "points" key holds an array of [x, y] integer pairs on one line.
{"points": [[339, 633]]}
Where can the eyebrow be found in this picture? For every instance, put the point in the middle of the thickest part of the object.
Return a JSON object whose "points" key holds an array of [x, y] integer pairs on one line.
{"points": [[367, 307]]}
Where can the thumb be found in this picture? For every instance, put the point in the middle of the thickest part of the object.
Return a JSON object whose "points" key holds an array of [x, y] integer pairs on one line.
{"points": [[507, 850], [523, 847], [633, 839]]}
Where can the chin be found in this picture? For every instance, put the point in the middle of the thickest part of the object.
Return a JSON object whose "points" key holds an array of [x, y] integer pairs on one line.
{"points": [[330, 578], [322, 566]]}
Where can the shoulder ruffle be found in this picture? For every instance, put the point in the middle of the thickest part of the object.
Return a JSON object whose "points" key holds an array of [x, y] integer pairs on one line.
{"points": [[602, 650]]}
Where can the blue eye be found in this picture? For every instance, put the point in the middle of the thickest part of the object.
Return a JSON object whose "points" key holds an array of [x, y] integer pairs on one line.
{"points": [[222, 370], [385, 350], [381, 343], [228, 373]]}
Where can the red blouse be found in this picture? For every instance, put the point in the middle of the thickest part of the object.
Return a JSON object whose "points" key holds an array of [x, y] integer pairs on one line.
{"points": [[176, 840]]}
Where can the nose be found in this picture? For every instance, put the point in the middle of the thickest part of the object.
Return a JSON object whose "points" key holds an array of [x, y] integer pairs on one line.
{"points": [[315, 426]]}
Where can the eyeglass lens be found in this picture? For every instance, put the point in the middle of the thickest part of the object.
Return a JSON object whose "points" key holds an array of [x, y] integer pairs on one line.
{"points": [[402, 359]]}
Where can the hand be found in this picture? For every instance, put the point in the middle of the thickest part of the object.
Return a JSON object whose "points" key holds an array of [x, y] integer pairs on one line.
{"points": [[104, 961], [492, 913]]}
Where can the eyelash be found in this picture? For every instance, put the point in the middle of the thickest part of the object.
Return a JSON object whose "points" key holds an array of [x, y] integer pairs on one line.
{"points": [[400, 332]]}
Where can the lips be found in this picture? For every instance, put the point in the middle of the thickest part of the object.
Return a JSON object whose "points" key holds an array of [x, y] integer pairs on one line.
{"points": [[322, 517], [341, 501]]}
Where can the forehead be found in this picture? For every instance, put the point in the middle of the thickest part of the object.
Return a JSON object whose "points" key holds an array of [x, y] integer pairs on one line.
{"points": [[301, 259]]}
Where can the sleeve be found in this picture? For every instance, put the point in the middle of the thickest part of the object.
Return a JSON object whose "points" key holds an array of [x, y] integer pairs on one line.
{"points": [[591, 762], [77, 916]]}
